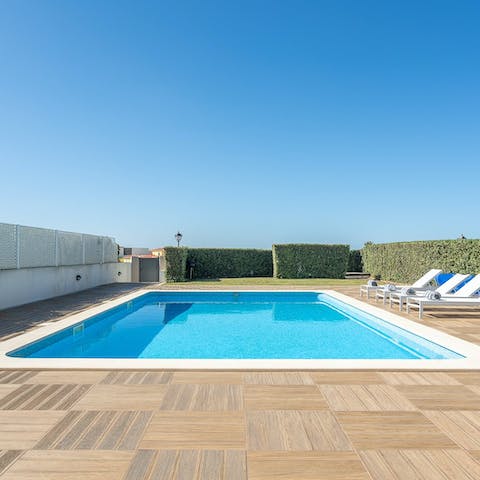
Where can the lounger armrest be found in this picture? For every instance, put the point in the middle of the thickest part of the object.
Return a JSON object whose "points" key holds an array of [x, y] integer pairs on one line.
{"points": [[421, 289]]}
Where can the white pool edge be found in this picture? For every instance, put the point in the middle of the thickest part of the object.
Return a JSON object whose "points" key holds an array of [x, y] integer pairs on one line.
{"points": [[470, 351]]}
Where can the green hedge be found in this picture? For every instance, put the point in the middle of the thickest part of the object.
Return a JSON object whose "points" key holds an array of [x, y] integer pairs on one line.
{"points": [[355, 263], [407, 261], [230, 262], [176, 263], [310, 261], [217, 263]]}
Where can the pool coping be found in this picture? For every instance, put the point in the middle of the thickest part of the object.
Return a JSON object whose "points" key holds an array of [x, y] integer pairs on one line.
{"points": [[470, 351]]}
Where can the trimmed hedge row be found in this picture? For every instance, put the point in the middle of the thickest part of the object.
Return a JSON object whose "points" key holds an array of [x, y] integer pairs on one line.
{"points": [[407, 261], [229, 262], [298, 260], [355, 262], [176, 263], [287, 261], [216, 263]]}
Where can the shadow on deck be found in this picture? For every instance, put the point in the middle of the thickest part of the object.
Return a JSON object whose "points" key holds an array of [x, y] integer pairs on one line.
{"points": [[17, 320]]}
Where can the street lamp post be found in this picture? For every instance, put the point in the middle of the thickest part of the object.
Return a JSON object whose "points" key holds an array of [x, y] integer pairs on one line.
{"points": [[178, 238]]}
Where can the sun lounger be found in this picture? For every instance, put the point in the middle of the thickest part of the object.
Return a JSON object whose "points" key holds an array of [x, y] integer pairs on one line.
{"points": [[423, 283], [371, 286], [444, 289], [464, 297]]}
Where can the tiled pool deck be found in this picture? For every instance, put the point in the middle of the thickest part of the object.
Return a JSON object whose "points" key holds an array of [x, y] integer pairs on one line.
{"points": [[376, 425]]}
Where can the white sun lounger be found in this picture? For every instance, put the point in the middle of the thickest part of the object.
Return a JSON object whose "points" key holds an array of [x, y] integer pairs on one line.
{"points": [[462, 298], [421, 284], [368, 288], [443, 290]]}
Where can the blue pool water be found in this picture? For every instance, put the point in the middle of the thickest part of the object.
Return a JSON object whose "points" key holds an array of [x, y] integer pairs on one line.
{"points": [[235, 325]]}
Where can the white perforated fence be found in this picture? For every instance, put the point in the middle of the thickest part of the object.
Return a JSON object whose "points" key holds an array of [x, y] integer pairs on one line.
{"points": [[27, 247], [8, 246]]}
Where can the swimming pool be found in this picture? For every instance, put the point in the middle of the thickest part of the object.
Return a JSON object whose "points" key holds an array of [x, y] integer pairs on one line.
{"points": [[235, 325]]}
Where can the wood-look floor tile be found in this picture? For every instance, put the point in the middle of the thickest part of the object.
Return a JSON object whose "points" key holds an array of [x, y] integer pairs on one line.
{"points": [[136, 428], [68, 376], [451, 464], [475, 454], [20, 430], [119, 428], [472, 337], [278, 378], [96, 430], [144, 462], [6, 389], [284, 397], [347, 378], [69, 465], [474, 388], [122, 397], [203, 397], [43, 397], [76, 431], [232, 378], [188, 464], [192, 430], [467, 378], [16, 376], [293, 430], [137, 378], [7, 457], [375, 430], [305, 466], [432, 397], [419, 378], [463, 427], [373, 398]]}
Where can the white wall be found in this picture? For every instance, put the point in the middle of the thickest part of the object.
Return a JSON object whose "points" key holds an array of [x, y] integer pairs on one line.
{"points": [[25, 285]]}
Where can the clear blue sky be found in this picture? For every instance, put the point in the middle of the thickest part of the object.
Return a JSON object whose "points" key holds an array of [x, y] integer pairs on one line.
{"points": [[242, 123]]}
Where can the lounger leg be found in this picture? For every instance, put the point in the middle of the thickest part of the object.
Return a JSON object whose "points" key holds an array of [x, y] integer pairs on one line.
{"points": [[420, 310], [400, 304]]}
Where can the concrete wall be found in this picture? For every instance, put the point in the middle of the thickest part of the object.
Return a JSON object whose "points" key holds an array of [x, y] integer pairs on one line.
{"points": [[135, 271], [26, 285], [39, 263]]}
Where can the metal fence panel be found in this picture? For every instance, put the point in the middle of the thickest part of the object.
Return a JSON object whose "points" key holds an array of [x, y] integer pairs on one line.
{"points": [[70, 248], [36, 247], [110, 250], [27, 247], [93, 249], [8, 246]]}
